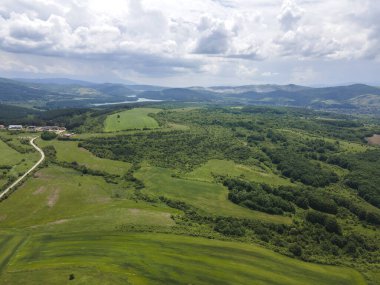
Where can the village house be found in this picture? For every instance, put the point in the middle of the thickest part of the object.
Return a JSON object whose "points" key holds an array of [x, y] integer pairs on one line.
{"points": [[2, 127], [15, 127], [67, 135], [50, 129], [31, 128]]}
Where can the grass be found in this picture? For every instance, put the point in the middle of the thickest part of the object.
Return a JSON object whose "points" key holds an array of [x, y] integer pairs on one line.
{"points": [[60, 199], [210, 197], [230, 168], [160, 259], [8, 155], [20, 162], [131, 119], [70, 152]]}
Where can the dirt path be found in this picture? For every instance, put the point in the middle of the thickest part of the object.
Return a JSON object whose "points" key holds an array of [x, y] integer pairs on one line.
{"points": [[6, 191]]}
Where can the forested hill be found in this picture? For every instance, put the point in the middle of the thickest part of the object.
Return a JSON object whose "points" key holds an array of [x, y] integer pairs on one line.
{"points": [[357, 98]]}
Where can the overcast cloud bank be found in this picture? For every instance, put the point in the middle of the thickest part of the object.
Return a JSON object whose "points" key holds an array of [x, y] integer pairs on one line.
{"points": [[198, 42]]}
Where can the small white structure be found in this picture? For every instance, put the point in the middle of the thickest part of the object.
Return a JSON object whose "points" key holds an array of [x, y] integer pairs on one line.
{"points": [[2, 127], [15, 127]]}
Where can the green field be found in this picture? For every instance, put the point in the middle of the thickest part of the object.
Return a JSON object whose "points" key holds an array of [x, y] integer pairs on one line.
{"points": [[131, 119], [70, 152], [210, 197], [60, 199], [158, 259], [229, 168]]}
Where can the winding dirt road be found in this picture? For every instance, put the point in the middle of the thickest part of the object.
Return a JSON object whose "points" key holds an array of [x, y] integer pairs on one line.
{"points": [[6, 191]]}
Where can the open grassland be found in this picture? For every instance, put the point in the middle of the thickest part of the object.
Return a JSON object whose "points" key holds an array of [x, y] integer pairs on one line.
{"points": [[230, 168], [210, 197], [159, 259], [60, 199], [69, 152], [131, 119]]}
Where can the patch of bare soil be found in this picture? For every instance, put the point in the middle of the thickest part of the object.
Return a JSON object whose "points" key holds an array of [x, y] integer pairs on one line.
{"points": [[58, 222], [374, 140], [3, 217], [40, 190], [53, 198], [42, 175]]}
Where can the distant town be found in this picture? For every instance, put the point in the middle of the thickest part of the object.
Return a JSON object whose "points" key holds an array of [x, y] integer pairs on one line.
{"points": [[55, 129]]}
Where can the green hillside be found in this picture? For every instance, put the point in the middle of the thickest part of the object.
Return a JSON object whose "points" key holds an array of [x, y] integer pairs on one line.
{"points": [[158, 259], [131, 119]]}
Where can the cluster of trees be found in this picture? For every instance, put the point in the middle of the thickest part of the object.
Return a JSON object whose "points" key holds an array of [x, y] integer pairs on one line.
{"points": [[50, 152], [255, 197], [277, 200], [364, 174], [129, 176], [175, 149], [319, 234], [276, 137], [299, 168], [48, 136], [329, 222], [25, 148], [317, 149]]}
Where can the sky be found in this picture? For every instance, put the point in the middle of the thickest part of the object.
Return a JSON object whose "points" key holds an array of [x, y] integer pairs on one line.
{"points": [[192, 42]]}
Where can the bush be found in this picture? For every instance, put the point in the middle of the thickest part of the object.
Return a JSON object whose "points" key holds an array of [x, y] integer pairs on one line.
{"points": [[295, 249], [48, 136], [332, 226], [229, 227], [373, 218], [323, 204]]}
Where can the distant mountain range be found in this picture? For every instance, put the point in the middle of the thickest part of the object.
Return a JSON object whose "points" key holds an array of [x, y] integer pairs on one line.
{"points": [[61, 92]]}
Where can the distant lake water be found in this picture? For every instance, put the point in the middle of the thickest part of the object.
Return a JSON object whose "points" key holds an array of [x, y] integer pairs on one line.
{"points": [[127, 102]]}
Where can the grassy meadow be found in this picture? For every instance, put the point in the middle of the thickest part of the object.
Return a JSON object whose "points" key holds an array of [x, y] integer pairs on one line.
{"points": [[70, 152], [62, 199], [157, 259], [210, 197], [131, 119]]}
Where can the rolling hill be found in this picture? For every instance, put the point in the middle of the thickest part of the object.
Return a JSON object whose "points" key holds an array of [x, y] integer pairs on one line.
{"points": [[56, 93]]}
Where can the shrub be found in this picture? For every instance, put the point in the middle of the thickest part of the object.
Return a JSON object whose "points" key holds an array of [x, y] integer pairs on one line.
{"points": [[295, 249], [48, 136]]}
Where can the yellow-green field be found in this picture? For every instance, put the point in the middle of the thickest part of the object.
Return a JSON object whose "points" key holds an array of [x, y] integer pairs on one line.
{"points": [[131, 119], [155, 259]]}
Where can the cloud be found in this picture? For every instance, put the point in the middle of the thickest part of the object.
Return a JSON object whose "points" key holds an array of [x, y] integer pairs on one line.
{"points": [[149, 38], [290, 15], [216, 40]]}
